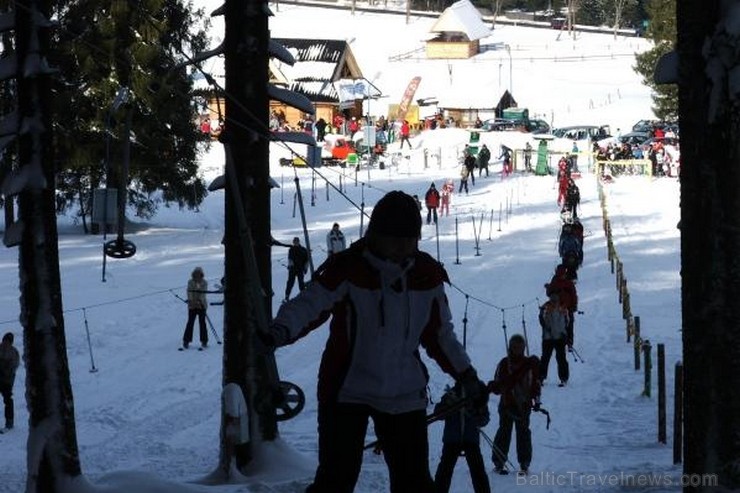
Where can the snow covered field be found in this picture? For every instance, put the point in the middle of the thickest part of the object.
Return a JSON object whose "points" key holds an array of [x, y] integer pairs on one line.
{"points": [[148, 419]]}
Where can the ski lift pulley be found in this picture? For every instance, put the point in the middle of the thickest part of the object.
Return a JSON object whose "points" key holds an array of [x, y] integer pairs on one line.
{"points": [[120, 248], [292, 402]]}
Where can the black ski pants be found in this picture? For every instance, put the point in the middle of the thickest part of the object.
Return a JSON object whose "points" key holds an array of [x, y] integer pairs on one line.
{"points": [[481, 168], [403, 438], [463, 184], [548, 346], [7, 392], [294, 274], [450, 453], [507, 420], [431, 215], [187, 337]]}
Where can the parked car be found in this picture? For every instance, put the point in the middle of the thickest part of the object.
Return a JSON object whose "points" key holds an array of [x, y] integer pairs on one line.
{"points": [[501, 124], [632, 138], [582, 132], [538, 126], [558, 22]]}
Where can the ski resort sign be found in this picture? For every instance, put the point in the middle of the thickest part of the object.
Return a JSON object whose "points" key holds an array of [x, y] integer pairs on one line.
{"points": [[348, 90]]}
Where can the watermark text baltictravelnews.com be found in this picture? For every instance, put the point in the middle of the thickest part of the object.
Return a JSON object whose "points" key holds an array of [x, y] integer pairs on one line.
{"points": [[573, 478]]}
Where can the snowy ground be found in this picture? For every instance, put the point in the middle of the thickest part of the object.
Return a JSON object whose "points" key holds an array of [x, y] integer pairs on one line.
{"points": [[148, 419]]}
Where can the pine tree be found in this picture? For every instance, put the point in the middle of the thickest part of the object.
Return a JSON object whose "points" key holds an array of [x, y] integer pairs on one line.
{"points": [[662, 31], [592, 13], [101, 47]]}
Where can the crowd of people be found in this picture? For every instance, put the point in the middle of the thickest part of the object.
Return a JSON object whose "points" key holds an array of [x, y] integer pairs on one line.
{"points": [[663, 153]]}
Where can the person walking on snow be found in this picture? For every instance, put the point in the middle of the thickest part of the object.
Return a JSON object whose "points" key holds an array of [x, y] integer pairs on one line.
{"points": [[431, 199], [447, 189], [297, 266], [517, 381], [506, 156], [528, 157], [9, 362], [385, 299], [484, 156], [470, 166], [335, 242], [321, 129], [461, 437], [464, 173], [405, 133], [197, 306], [554, 322]]}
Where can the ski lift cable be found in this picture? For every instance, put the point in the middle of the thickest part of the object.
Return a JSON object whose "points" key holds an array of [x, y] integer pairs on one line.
{"points": [[491, 304], [107, 303]]}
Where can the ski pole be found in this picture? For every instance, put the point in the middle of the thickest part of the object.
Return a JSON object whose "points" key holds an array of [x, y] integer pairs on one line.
{"points": [[178, 296], [546, 413], [213, 329], [89, 344], [576, 354], [435, 416], [496, 450]]}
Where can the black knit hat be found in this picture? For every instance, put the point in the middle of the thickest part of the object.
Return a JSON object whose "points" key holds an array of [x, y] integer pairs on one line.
{"points": [[396, 215]]}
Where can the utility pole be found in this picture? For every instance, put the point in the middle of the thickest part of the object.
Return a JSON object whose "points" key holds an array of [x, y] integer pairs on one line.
{"points": [[247, 240]]}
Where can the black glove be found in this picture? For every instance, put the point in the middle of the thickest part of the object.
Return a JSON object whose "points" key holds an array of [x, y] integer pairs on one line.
{"points": [[536, 405], [274, 336], [267, 339]]}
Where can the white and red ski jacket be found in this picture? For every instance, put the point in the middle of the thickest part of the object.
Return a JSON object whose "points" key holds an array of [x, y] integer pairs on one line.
{"points": [[381, 312]]}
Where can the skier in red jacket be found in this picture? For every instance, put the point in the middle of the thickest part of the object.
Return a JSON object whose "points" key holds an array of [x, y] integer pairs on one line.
{"points": [[432, 202]]}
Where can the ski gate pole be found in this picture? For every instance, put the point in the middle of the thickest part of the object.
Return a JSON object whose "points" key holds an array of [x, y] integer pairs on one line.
{"points": [[89, 344]]}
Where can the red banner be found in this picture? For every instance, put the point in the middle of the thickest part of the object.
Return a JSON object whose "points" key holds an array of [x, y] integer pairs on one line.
{"points": [[408, 96]]}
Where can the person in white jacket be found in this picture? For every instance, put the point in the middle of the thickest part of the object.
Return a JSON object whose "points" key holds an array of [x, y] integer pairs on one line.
{"points": [[335, 242], [385, 299]]}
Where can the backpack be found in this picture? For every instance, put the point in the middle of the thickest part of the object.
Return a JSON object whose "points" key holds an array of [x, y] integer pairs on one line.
{"points": [[569, 244], [573, 195]]}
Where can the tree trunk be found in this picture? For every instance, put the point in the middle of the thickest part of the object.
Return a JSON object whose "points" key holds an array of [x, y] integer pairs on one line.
{"points": [[710, 242], [53, 458], [618, 8]]}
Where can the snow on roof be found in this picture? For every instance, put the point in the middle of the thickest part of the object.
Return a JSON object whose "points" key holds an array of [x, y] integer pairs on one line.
{"points": [[308, 70], [464, 18]]}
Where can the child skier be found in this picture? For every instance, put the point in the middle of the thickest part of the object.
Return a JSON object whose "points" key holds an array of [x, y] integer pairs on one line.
{"points": [[517, 381], [462, 437]]}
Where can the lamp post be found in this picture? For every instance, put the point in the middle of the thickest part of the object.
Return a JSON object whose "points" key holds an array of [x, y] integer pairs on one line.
{"points": [[511, 84]]}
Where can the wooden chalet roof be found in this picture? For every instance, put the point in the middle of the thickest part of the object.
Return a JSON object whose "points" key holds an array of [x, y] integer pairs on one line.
{"points": [[319, 63], [462, 17]]}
